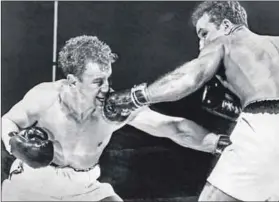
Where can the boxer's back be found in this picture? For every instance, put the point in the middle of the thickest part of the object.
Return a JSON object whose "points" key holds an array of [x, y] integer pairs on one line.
{"points": [[252, 65]]}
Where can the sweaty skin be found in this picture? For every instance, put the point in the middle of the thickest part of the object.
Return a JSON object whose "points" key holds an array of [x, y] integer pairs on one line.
{"points": [[78, 144], [251, 66], [77, 126]]}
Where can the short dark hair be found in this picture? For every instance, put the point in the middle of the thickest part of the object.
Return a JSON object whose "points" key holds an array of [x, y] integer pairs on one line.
{"points": [[220, 10], [78, 50]]}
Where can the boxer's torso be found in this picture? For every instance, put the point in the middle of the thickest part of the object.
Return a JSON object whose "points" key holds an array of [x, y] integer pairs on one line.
{"points": [[252, 66], [78, 143]]}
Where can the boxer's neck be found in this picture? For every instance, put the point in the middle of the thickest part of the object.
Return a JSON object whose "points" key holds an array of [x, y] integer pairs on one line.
{"points": [[77, 104], [236, 28]]}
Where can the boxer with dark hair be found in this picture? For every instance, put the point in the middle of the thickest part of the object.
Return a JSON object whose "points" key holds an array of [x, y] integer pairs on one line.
{"points": [[57, 157], [247, 169]]}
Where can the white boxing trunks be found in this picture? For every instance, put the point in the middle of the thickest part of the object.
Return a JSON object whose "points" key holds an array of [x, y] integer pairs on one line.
{"points": [[248, 169], [54, 184]]}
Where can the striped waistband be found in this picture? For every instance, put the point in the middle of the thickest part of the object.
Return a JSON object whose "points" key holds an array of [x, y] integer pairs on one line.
{"points": [[263, 106], [75, 169]]}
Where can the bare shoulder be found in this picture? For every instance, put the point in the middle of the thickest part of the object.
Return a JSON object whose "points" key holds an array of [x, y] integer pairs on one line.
{"points": [[215, 46], [45, 90], [274, 40], [42, 95]]}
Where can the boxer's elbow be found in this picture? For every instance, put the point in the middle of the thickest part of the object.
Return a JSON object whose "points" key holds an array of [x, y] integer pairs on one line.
{"points": [[164, 129], [177, 131], [7, 126], [170, 129], [188, 126], [195, 77], [202, 74]]}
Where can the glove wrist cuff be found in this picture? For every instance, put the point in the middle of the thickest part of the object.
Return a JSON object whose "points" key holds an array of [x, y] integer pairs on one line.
{"points": [[8, 146], [139, 95], [222, 143]]}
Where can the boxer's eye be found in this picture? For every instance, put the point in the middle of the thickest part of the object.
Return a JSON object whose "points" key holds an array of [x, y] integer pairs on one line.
{"points": [[204, 34], [99, 82]]}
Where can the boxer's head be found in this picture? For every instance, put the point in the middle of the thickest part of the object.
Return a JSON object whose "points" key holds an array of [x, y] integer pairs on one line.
{"points": [[216, 18], [86, 61]]}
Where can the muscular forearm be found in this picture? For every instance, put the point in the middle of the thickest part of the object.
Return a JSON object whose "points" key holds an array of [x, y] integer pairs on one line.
{"points": [[209, 143], [154, 123], [192, 139], [191, 135], [7, 127], [182, 131], [177, 84]]}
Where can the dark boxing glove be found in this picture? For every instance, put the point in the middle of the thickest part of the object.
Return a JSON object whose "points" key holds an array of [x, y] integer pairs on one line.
{"points": [[223, 142], [220, 101], [119, 105], [31, 145]]}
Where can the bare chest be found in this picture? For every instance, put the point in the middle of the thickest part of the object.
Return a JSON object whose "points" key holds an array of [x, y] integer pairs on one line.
{"points": [[77, 140]]}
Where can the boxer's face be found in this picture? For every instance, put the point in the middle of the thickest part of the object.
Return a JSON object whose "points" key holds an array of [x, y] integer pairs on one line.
{"points": [[93, 83], [207, 31]]}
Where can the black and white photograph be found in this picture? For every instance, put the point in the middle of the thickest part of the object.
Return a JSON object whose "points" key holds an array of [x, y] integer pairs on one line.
{"points": [[165, 101]]}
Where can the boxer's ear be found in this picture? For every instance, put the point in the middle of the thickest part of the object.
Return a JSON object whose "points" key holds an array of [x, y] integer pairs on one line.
{"points": [[72, 79], [226, 26]]}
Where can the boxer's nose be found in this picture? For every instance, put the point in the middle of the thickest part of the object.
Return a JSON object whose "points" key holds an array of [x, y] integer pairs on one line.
{"points": [[105, 87], [201, 44]]}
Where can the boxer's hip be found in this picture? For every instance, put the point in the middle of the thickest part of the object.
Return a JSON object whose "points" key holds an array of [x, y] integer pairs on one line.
{"points": [[257, 128], [248, 169], [52, 183], [270, 106], [54, 172]]}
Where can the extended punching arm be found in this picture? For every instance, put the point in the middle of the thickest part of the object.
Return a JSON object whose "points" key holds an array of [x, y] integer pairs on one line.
{"points": [[175, 85]]}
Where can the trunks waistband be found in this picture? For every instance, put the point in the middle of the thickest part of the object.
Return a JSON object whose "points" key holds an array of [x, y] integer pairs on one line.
{"points": [[77, 170], [263, 106]]}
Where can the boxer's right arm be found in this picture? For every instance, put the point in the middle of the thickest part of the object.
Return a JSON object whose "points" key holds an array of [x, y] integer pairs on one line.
{"points": [[182, 131], [175, 85], [26, 112]]}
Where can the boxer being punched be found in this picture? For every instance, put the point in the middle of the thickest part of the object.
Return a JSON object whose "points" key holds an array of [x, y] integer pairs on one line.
{"points": [[248, 168], [59, 130]]}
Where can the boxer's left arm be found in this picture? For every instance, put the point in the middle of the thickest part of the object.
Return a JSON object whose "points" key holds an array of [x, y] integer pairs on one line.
{"points": [[182, 131], [25, 113]]}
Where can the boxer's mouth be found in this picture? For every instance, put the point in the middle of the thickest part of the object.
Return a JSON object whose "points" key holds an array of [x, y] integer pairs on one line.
{"points": [[101, 99]]}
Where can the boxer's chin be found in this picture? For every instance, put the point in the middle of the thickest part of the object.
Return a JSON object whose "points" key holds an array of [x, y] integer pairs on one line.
{"points": [[99, 102]]}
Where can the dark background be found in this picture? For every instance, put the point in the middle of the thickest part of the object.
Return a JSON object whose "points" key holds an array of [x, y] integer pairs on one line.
{"points": [[151, 38]]}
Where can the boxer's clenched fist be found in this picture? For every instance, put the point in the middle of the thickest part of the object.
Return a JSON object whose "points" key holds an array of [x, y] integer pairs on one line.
{"points": [[32, 146], [119, 105], [114, 112], [220, 101]]}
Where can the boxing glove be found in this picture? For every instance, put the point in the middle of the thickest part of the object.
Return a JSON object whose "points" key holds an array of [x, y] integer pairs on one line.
{"points": [[119, 105], [220, 101], [31, 145]]}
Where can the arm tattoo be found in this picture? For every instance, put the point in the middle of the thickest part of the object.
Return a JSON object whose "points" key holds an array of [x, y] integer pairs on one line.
{"points": [[176, 75]]}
